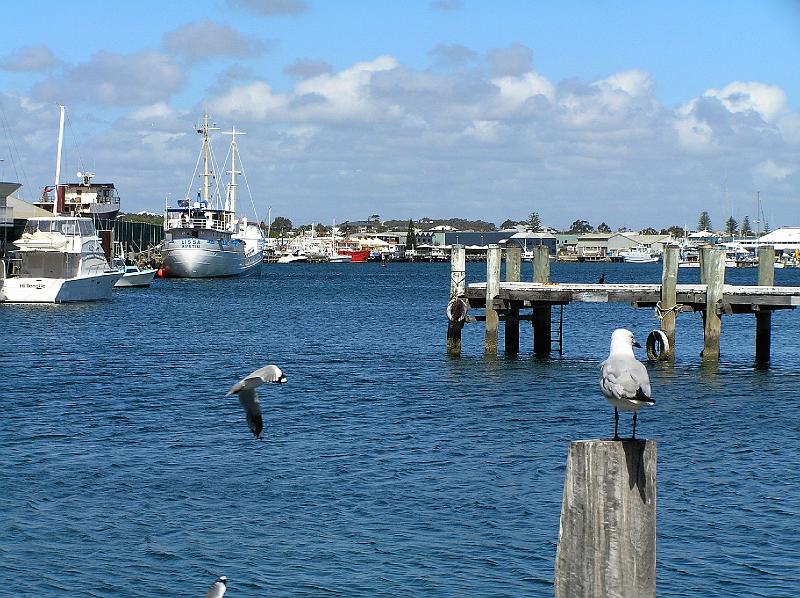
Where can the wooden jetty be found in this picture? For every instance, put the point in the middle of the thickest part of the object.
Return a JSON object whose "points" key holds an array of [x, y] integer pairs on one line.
{"points": [[505, 300]]}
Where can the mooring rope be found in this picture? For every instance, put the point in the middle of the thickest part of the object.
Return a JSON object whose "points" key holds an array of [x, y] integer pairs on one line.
{"points": [[661, 312]]}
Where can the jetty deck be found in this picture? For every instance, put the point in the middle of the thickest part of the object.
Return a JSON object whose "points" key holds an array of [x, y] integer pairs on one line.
{"points": [[735, 299], [503, 301]]}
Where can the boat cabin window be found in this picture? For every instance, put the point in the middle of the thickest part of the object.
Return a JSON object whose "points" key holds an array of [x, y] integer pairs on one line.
{"points": [[87, 228]]}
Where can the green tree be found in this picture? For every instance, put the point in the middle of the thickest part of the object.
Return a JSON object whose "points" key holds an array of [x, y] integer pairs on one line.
{"points": [[321, 229], [533, 222], [649, 231], [745, 229], [603, 228], [280, 224], [580, 227], [508, 224], [411, 238], [731, 226], [675, 231], [704, 223]]}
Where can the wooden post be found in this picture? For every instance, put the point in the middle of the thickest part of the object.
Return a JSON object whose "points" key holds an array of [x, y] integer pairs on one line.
{"points": [[766, 278], [712, 268], [458, 283], [541, 315], [493, 255], [607, 533], [513, 270], [669, 281]]}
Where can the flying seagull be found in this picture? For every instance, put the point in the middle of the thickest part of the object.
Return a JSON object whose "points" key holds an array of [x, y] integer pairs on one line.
{"points": [[248, 398], [217, 589], [623, 378]]}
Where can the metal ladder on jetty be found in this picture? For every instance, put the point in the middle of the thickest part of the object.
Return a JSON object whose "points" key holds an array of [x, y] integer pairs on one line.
{"points": [[557, 329]]}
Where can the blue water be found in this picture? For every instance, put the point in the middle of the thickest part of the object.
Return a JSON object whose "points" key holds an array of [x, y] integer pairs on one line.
{"points": [[387, 468]]}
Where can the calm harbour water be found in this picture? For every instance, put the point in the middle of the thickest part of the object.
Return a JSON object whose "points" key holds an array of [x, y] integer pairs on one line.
{"points": [[386, 467]]}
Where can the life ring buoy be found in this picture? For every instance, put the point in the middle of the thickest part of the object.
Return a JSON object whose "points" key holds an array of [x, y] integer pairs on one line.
{"points": [[657, 345], [457, 310]]}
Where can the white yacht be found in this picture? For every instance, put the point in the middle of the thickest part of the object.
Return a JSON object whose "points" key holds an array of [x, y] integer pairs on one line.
{"points": [[204, 238], [58, 259], [638, 255]]}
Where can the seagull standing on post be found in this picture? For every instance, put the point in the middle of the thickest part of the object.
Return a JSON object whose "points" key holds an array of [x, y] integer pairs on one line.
{"points": [[248, 398], [623, 378]]}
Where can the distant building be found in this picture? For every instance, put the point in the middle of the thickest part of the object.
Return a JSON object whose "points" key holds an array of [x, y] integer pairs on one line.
{"points": [[623, 242], [593, 246]]}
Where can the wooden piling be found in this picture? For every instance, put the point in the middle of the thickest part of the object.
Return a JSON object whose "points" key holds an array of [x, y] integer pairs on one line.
{"points": [[513, 274], [541, 315], [458, 282], [669, 283], [766, 277], [712, 266], [607, 532], [493, 256]]}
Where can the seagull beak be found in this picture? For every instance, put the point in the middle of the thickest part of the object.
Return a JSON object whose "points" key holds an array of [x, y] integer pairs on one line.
{"points": [[636, 344], [281, 380]]}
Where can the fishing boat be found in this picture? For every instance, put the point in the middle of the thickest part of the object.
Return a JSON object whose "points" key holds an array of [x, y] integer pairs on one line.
{"points": [[58, 258], [204, 238]]}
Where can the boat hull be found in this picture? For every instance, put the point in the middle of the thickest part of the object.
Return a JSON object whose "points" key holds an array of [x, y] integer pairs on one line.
{"points": [[142, 278], [356, 255], [58, 290], [209, 262]]}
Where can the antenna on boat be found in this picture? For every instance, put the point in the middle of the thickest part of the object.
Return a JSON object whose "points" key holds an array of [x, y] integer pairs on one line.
{"points": [[58, 158]]}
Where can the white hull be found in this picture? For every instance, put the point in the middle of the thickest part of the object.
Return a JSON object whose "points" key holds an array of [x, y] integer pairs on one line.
{"points": [[139, 278], [209, 262], [639, 260], [689, 265], [58, 290]]}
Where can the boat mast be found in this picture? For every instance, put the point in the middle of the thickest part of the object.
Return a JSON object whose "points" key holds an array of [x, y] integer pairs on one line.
{"points": [[230, 201], [58, 159], [206, 152]]}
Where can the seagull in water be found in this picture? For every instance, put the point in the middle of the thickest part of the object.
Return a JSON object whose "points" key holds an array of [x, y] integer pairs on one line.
{"points": [[217, 589], [248, 398], [623, 378]]}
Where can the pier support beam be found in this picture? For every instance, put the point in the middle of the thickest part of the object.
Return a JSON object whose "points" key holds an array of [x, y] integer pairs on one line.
{"points": [[712, 274], [669, 283], [493, 255], [458, 282], [766, 277], [541, 315], [513, 273], [607, 533]]}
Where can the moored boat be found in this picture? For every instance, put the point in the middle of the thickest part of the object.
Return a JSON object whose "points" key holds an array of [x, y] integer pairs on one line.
{"points": [[204, 238]]}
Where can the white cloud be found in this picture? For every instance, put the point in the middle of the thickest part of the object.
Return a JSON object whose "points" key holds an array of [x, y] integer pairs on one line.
{"points": [[31, 59], [206, 39], [771, 172], [115, 79], [271, 8], [767, 100]]}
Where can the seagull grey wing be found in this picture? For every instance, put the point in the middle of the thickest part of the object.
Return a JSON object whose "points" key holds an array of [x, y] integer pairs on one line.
{"points": [[642, 378], [217, 590], [608, 381], [248, 399]]}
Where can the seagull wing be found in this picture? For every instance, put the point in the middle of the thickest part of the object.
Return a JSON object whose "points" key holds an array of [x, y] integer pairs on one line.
{"points": [[248, 399], [625, 378], [217, 590], [269, 373]]}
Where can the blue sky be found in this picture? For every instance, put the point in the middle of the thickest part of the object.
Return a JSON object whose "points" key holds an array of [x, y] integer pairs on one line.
{"points": [[594, 110]]}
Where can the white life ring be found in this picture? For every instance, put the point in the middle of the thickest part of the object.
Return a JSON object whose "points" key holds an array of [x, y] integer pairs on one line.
{"points": [[657, 345], [457, 310]]}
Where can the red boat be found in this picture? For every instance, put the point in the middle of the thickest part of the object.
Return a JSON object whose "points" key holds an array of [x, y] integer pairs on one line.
{"points": [[356, 255]]}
